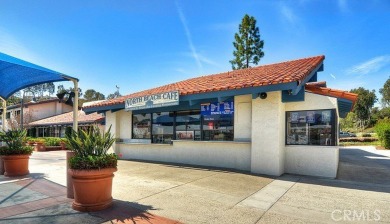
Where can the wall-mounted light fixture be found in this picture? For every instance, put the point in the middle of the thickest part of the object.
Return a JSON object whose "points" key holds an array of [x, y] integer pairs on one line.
{"points": [[262, 95]]}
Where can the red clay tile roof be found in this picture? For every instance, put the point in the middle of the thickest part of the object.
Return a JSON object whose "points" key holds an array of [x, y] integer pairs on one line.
{"points": [[318, 84], [283, 72], [317, 89], [67, 118]]}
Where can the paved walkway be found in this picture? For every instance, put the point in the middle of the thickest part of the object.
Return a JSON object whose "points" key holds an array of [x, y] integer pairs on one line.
{"points": [[163, 193]]}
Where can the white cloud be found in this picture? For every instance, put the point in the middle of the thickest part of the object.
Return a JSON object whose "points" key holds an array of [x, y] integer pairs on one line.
{"points": [[370, 66], [203, 59], [288, 14], [342, 4], [189, 38], [333, 76]]}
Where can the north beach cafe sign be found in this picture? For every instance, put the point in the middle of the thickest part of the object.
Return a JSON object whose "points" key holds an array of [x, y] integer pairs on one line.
{"points": [[154, 100]]}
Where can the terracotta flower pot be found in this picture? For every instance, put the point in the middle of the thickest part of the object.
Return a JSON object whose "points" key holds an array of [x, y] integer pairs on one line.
{"points": [[92, 189], [63, 145], [15, 165], [40, 147]]}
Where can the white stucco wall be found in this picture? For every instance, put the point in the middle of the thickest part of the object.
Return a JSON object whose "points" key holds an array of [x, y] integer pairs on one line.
{"points": [[312, 160], [235, 155], [307, 159], [44, 110], [312, 102], [267, 154], [243, 118], [259, 146]]}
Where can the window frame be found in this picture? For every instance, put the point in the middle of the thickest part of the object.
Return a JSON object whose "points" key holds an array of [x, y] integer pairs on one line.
{"points": [[333, 122]]}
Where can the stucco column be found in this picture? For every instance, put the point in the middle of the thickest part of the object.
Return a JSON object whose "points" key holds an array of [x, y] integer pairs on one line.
{"points": [[267, 152]]}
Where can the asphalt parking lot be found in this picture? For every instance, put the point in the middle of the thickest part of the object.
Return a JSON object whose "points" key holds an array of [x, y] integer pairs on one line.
{"points": [[187, 194]]}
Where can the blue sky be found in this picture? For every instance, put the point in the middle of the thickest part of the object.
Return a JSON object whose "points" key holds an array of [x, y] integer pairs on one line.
{"points": [[143, 44]]}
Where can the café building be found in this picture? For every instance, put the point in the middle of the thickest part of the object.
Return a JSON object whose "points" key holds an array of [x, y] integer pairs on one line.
{"points": [[271, 119]]}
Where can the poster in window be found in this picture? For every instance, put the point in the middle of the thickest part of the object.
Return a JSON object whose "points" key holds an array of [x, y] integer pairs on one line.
{"points": [[217, 108], [185, 135], [294, 117], [311, 117], [302, 119], [325, 116]]}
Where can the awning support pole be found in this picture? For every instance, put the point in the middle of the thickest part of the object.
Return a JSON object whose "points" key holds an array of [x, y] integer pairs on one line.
{"points": [[75, 104], [70, 154]]}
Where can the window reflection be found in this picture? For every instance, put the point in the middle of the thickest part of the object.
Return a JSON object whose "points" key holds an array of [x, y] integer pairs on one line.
{"points": [[218, 127], [162, 128], [311, 127], [188, 125], [141, 126]]}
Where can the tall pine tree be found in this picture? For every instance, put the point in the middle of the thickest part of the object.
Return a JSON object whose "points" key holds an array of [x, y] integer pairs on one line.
{"points": [[248, 45]]}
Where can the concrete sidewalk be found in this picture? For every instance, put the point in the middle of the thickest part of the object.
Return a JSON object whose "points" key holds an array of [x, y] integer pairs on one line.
{"points": [[163, 193], [35, 199]]}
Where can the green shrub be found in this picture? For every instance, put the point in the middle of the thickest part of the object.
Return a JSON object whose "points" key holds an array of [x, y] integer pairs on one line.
{"points": [[386, 139], [15, 140], [94, 162], [380, 128], [90, 148], [52, 141], [356, 139], [366, 135]]}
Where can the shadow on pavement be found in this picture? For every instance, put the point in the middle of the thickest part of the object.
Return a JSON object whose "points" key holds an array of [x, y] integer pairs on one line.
{"points": [[34, 199], [362, 166]]}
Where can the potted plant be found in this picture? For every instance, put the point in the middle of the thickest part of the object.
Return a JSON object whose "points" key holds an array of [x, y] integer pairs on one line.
{"points": [[15, 155], [91, 168], [40, 145]]}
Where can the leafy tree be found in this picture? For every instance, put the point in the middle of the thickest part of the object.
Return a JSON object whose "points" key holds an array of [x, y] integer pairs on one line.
{"points": [[61, 89], [363, 105], [349, 122], [385, 91], [247, 44], [92, 95], [39, 90], [114, 95]]}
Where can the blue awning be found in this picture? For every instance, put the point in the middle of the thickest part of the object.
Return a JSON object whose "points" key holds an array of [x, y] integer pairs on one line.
{"points": [[16, 74]]}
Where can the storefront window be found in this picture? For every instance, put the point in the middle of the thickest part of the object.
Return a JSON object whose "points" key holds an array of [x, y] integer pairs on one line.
{"points": [[218, 127], [141, 126], [211, 122], [315, 127], [188, 125], [162, 128]]}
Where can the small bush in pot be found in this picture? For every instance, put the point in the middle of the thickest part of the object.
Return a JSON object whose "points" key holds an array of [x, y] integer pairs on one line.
{"points": [[91, 168], [16, 154]]}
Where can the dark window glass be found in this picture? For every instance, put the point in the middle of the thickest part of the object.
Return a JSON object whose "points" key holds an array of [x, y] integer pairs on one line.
{"points": [[162, 128], [8, 115], [188, 125], [218, 127], [141, 126], [311, 127]]}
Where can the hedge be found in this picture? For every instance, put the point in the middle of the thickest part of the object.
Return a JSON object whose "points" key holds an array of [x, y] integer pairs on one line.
{"points": [[359, 139]]}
